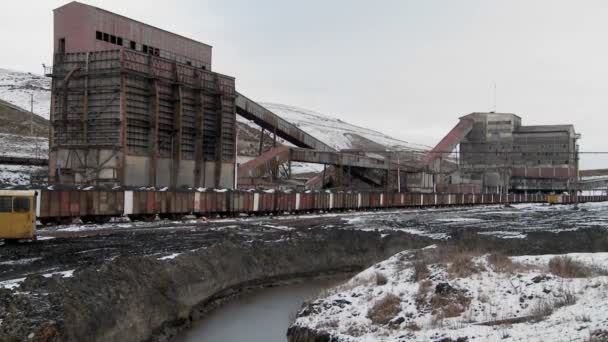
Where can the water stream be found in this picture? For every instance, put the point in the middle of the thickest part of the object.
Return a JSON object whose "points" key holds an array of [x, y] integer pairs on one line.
{"points": [[262, 315]]}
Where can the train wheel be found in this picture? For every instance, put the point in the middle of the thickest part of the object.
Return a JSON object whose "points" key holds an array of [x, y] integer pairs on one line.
{"points": [[101, 219], [149, 218], [45, 221], [87, 219], [65, 220]]}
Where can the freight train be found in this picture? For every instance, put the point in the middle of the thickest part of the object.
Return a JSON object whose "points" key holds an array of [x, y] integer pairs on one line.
{"points": [[63, 206]]}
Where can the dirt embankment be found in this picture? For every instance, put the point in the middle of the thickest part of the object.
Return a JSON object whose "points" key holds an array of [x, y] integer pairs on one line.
{"points": [[142, 298]]}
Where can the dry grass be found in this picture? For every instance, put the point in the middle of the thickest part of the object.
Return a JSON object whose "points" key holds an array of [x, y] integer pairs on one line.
{"points": [[424, 287], [566, 267], [385, 309], [421, 270], [449, 306], [462, 266], [501, 263], [541, 309], [381, 279], [565, 297], [412, 326], [355, 282]]}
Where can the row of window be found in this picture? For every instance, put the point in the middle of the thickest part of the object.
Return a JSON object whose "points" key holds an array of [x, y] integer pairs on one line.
{"points": [[14, 204], [112, 39]]}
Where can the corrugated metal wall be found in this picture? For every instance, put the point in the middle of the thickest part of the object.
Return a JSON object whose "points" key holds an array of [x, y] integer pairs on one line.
{"points": [[141, 105]]}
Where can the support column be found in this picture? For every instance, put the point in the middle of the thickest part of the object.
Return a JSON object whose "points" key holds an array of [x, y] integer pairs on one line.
{"points": [[122, 156], [261, 142], [198, 140], [323, 180], [219, 149], [85, 109], [153, 101], [177, 135]]}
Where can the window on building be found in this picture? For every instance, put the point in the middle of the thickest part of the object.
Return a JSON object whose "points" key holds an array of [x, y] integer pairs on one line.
{"points": [[156, 52], [99, 35], [62, 45], [6, 204], [21, 204], [106, 37], [189, 63], [119, 41], [113, 39], [144, 48], [133, 45]]}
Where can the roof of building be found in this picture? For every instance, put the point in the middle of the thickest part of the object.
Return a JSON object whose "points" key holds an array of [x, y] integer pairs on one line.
{"points": [[125, 17], [477, 114], [545, 128]]}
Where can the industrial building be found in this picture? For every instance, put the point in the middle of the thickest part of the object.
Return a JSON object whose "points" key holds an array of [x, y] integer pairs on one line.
{"points": [[498, 154], [135, 105]]}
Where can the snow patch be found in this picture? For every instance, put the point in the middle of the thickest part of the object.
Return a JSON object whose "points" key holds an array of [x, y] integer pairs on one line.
{"points": [[169, 257]]}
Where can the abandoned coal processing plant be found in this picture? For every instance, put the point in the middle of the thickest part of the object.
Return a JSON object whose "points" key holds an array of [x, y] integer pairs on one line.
{"points": [[137, 106], [150, 191]]}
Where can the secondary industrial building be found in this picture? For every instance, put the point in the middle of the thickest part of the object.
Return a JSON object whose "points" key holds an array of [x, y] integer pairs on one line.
{"points": [[499, 154]]}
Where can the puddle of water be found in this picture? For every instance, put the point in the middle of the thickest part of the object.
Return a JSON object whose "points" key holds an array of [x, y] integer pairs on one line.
{"points": [[259, 316]]}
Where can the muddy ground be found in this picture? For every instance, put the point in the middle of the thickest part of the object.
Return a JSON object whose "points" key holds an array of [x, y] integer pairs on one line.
{"points": [[143, 281]]}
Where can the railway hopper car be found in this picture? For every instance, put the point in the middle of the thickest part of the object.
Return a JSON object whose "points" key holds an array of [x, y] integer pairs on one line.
{"points": [[61, 206]]}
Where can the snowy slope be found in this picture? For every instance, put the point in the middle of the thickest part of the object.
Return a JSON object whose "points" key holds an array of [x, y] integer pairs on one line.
{"points": [[16, 88], [337, 133], [525, 303]]}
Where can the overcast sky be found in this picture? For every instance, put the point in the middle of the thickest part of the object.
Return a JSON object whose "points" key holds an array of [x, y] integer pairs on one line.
{"points": [[407, 68]]}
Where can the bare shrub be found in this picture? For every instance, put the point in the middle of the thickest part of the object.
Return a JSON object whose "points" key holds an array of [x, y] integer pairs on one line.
{"points": [[501, 263], [583, 318], [412, 326], [462, 266], [564, 298], [385, 309], [599, 270], [381, 279], [424, 288], [421, 270], [355, 330], [566, 267], [541, 309], [598, 335], [359, 280], [448, 301]]}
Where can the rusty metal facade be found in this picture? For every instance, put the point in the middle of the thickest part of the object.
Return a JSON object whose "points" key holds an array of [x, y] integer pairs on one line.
{"points": [[128, 118], [135, 105], [499, 154], [76, 26]]}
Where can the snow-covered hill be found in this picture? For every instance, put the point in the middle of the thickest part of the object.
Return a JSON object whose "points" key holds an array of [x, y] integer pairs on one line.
{"points": [[338, 133], [16, 88]]}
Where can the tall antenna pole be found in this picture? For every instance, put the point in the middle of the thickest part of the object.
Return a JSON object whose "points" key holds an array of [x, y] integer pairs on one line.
{"points": [[32, 114], [494, 97]]}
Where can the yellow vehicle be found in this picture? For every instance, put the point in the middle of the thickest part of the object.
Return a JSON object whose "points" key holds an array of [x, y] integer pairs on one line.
{"points": [[17, 214]]}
